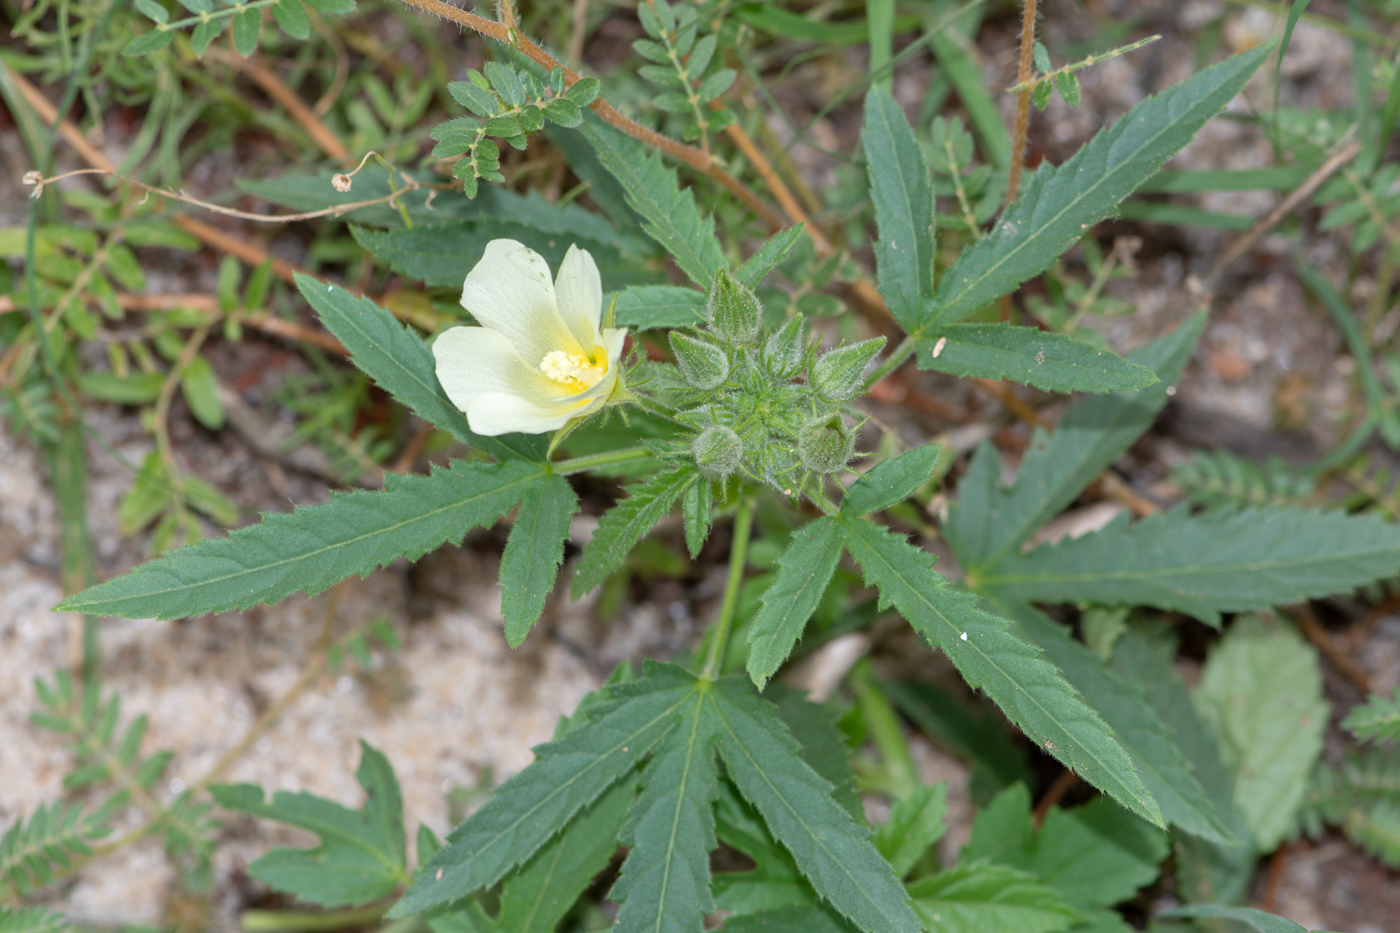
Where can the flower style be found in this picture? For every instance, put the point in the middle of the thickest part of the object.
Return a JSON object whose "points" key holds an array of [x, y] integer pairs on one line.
{"points": [[540, 359]]}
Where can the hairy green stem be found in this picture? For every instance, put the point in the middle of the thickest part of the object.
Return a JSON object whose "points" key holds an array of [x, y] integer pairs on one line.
{"points": [[897, 356], [738, 554], [287, 921], [593, 461]]}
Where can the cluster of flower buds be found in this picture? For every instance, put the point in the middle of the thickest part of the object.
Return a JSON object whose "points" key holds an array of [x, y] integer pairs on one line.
{"points": [[768, 406]]}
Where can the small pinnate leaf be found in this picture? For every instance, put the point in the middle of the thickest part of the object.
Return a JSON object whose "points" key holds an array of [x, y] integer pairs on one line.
{"points": [[246, 27], [149, 42], [154, 10], [1377, 718], [362, 855], [31, 920], [291, 16]]}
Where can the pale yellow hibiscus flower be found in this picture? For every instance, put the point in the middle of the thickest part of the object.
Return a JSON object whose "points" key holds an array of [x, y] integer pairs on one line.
{"points": [[540, 358]]}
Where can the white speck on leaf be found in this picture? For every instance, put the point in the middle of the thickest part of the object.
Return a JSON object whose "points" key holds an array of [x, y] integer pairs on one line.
{"points": [[963, 636], [938, 347]]}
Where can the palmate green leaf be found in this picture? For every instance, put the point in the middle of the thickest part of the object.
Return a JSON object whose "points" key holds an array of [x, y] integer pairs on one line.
{"points": [[441, 256], [402, 364], [626, 523], [568, 774], [1058, 204], [1137, 727], [648, 307], [362, 855], [983, 897], [915, 824], [669, 214], [1093, 856], [903, 197], [832, 849], [665, 881], [789, 920], [31, 920], [1046, 360], [815, 727], [1261, 693], [533, 553], [1029, 690], [1227, 561], [1205, 871], [315, 546], [804, 570], [1377, 718], [774, 881], [987, 522], [891, 481]]}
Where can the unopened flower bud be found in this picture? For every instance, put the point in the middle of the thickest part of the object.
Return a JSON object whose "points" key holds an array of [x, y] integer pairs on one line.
{"points": [[825, 445], [340, 183], [839, 374], [718, 451], [782, 351], [704, 365], [732, 309]]}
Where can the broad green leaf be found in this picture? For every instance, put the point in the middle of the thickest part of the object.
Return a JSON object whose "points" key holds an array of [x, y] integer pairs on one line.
{"points": [[1144, 736], [1029, 690], [915, 824], [626, 523], [441, 256], [1094, 856], [669, 214], [1205, 872], [890, 481], [1257, 920], [1046, 360], [788, 919], [756, 268], [986, 898], [647, 307], [314, 546], [832, 849], [533, 553], [291, 16], [153, 10], [988, 522], [824, 747], [31, 920], [1261, 693], [1378, 718], [804, 570], [1058, 204], [978, 740], [568, 774], [362, 855], [1227, 561], [402, 364], [903, 197], [665, 881], [246, 27]]}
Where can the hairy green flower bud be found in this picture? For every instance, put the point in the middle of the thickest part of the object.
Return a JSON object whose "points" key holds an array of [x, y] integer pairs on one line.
{"points": [[732, 310], [825, 445], [839, 374], [704, 365], [782, 351], [718, 451]]}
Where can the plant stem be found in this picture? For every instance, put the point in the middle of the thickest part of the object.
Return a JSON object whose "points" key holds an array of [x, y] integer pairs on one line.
{"points": [[1023, 102], [286, 921], [898, 355], [695, 158], [593, 461], [738, 553]]}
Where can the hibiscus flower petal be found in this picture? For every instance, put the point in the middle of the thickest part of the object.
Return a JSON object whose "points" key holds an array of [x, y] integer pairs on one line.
{"points": [[473, 361], [578, 290], [510, 292]]}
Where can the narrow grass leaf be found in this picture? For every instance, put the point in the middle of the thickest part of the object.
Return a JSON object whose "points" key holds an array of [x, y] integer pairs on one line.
{"points": [[626, 523], [903, 197], [1029, 690], [1227, 561], [314, 546], [665, 881], [804, 570], [362, 855], [891, 481], [832, 850], [669, 213], [983, 897], [1144, 736], [1059, 203], [988, 522], [568, 774], [402, 364], [533, 553], [1043, 359]]}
